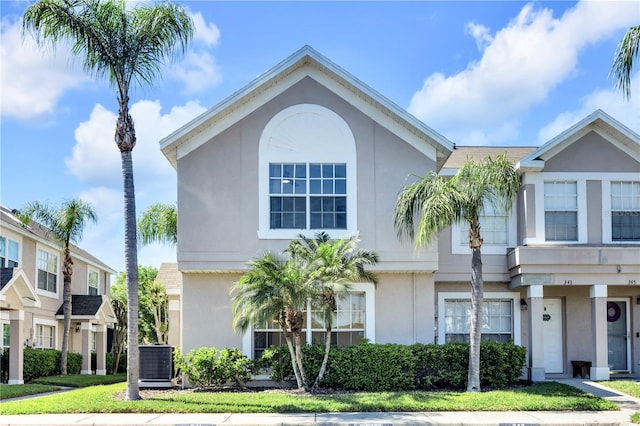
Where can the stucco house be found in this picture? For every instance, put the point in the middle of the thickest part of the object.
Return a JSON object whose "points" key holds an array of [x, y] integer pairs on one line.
{"points": [[31, 297], [306, 146]]}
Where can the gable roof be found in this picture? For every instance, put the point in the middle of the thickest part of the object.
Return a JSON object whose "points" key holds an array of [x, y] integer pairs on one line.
{"points": [[41, 233], [306, 62], [600, 122], [88, 307], [16, 278], [170, 277], [461, 154]]}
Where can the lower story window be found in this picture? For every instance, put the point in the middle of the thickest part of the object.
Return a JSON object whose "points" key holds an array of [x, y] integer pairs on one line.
{"points": [[497, 320], [45, 336], [6, 335], [348, 326]]}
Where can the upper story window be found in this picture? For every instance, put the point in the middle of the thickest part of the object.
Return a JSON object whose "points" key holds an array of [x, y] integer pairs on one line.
{"points": [[8, 253], [93, 286], [561, 211], [625, 211], [494, 227], [307, 174], [47, 271], [308, 196]]}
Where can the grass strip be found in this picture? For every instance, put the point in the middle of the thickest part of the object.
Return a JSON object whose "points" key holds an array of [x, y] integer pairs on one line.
{"points": [[14, 391], [548, 396], [81, 380]]}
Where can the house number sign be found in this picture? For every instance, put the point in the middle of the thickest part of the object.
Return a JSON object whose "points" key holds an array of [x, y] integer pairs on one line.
{"points": [[546, 317]]}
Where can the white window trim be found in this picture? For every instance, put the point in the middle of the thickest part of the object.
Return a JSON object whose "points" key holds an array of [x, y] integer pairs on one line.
{"points": [[369, 291], [89, 271], [538, 179], [49, 323], [16, 240], [338, 146], [515, 300], [606, 205], [55, 294], [458, 247]]}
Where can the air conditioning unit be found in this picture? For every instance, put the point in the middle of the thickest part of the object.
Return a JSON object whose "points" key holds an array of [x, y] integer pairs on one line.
{"points": [[156, 366]]}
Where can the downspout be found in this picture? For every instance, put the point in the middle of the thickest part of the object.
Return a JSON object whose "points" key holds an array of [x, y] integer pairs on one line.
{"points": [[415, 311]]}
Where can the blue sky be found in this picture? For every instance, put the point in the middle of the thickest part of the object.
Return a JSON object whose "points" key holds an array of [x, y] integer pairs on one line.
{"points": [[480, 73]]}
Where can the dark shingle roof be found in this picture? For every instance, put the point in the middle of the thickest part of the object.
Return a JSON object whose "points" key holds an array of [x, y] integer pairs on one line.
{"points": [[82, 304], [5, 276]]}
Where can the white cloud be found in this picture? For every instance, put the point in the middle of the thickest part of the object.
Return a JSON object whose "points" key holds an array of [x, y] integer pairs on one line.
{"points": [[519, 66], [205, 32], [197, 71], [32, 78], [609, 100], [96, 159]]}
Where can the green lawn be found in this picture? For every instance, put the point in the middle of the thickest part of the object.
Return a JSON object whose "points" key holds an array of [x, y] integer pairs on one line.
{"points": [[81, 380], [550, 396], [14, 391], [629, 387]]}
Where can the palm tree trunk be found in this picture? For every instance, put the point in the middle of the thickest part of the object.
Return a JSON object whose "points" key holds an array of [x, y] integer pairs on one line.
{"points": [[475, 331], [298, 344], [292, 354], [325, 360], [131, 267], [66, 308], [125, 138]]}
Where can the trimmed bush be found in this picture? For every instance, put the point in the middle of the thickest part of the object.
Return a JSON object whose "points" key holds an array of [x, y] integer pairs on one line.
{"points": [[391, 367], [46, 362], [211, 368], [122, 365]]}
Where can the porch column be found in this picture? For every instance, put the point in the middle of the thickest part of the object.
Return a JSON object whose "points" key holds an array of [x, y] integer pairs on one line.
{"points": [[536, 334], [101, 347], [599, 342], [85, 338], [16, 348]]}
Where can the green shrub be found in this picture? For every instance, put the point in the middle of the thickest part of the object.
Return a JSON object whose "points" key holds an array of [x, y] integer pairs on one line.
{"points": [[209, 367], [74, 363], [397, 367], [122, 365]]}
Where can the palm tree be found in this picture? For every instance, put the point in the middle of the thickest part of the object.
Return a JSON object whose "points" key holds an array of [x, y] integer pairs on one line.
{"points": [[336, 265], [623, 60], [127, 45], [441, 202], [273, 290], [65, 224], [159, 223]]}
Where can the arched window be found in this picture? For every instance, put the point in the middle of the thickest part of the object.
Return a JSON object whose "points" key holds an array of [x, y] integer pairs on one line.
{"points": [[307, 174]]}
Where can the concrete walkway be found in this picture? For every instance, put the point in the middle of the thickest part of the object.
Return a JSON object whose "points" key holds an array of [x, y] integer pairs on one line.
{"points": [[628, 406]]}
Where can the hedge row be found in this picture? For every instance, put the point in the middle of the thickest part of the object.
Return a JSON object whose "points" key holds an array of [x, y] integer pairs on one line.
{"points": [[393, 367], [42, 363]]}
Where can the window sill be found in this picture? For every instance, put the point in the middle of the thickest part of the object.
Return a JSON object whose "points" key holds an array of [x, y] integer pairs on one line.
{"points": [[291, 234]]}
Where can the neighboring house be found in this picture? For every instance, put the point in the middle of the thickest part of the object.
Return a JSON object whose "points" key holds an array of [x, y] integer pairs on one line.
{"points": [[308, 147], [31, 297], [171, 279]]}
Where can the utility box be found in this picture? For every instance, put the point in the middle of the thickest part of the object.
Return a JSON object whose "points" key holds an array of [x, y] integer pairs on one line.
{"points": [[156, 366]]}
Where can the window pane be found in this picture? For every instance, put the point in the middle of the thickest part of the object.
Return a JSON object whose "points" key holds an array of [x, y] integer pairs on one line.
{"points": [[275, 170], [561, 226], [341, 186], [2, 248], [327, 186], [341, 170], [287, 170], [301, 171], [314, 171], [274, 186], [315, 186], [625, 226], [327, 170]]}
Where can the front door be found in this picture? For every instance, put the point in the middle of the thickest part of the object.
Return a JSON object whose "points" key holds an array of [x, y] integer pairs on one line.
{"points": [[552, 332], [618, 334]]}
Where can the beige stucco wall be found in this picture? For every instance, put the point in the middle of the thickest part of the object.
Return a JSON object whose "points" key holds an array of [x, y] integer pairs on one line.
{"points": [[206, 312], [220, 232], [405, 308], [591, 153]]}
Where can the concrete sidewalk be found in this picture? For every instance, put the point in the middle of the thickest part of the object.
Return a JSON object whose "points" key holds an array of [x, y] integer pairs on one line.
{"points": [[629, 405]]}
